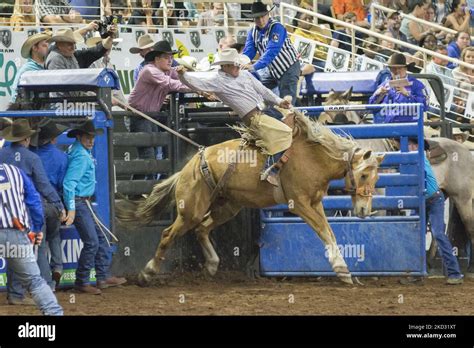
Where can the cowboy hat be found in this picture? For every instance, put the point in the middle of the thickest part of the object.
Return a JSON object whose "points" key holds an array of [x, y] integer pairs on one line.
{"points": [[458, 131], [33, 40], [259, 9], [188, 62], [231, 56], [19, 130], [398, 60], [162, 46], [96, 38], [144, 42], [48, 130], [67, 35], [86, 127]]}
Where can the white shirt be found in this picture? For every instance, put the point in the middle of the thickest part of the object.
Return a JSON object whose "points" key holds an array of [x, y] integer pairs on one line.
{"points": [[242, 93]]}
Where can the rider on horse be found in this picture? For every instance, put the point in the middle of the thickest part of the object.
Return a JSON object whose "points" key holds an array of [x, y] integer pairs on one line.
{"points": [[246, 96]]}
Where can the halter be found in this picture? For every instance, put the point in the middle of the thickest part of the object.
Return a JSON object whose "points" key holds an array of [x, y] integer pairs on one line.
{"points": [[353, 190]]}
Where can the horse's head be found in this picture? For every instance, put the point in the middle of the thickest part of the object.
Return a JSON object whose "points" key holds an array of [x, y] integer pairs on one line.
{"points": [[339, 98], [361, 176]]}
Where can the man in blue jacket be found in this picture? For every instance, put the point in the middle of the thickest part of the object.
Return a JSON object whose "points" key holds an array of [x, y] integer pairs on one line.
{"points": [[55, 164], [270, 39], [415, 92], [78, 189], [19, 134]]}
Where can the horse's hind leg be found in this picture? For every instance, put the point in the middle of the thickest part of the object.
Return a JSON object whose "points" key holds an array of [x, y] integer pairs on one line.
{"points": [[216, 217]]}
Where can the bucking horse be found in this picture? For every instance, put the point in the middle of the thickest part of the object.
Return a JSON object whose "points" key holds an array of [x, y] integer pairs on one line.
{"points": [[317, 156]]}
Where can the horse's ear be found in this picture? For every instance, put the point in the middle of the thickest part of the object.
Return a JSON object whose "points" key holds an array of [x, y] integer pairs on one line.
{"points": [[380, 158], [332, 91], [347, 94]]}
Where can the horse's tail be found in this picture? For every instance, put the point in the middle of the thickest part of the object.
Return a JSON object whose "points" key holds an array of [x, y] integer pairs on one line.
{"points": [[157, 202]]}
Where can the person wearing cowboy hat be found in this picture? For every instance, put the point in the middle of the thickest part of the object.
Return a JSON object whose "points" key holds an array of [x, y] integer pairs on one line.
{"points": [[459, 135], [145, 45], [274, 136], [157, 79], [43, 143], [19, 134], [406, 89], [270, 39], [64, 55], [78, 189], [34, 50]]}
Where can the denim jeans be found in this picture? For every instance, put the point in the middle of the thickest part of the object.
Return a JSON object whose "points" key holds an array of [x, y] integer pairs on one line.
{"points": [[435, 215], [53, 225], [27, 272], [96, 253], [288, 83], [138, 124], [15, 289]]}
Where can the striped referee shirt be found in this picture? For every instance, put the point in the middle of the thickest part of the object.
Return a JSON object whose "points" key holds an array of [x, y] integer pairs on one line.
{"points": [[274, 46], [17, 193]]}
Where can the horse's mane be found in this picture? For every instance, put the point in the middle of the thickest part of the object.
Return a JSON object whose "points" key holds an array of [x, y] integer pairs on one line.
{"points": [[336, 146]]}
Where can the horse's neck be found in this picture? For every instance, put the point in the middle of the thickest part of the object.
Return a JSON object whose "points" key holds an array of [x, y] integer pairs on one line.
{"points": [[316, 158]]}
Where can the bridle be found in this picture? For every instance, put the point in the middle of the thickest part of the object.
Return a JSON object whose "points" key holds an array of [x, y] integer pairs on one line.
{"points": [[365, 191]]}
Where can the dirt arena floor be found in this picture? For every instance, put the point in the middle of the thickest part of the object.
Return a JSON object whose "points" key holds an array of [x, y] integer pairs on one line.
{"points": [[233, 294]]}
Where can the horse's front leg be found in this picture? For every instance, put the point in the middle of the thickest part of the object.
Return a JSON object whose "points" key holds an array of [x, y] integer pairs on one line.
{"points": [[314, 216]]}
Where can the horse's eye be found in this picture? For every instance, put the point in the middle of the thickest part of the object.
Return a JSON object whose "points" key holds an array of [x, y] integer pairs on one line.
{"points": [[363, 177]]}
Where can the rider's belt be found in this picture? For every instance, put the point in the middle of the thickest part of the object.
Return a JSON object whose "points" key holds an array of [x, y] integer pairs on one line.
{"points": [[248, 118]]}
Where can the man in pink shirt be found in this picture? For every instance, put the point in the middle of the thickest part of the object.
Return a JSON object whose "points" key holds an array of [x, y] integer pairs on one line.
{"points": [[156, 80]]}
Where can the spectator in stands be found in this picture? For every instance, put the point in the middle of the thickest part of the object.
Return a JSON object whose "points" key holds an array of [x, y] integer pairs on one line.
{"points": [[19, 134], [455, 47], [394, 22], [21, 197], [213, 17], [387, 47], [6, 11], [79, 187], [118, 8], [465, 76], [55, 165], [172, 14], [145, 45], [442, 8], [341, 7], [430, 16], [89, 9], [57, 12], [342, 38], [270, 39], [23, 15], [145, 14], [401, 6], [429, 42], [380, 17], [414, 30], [414, 92], [305, 28], [370, 49], [459, 17], [157, 79], [438, 66], [34, 50]]}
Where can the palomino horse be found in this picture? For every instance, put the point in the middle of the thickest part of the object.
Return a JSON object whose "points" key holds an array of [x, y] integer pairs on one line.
{"points": [[338, 98], [317, 157]]}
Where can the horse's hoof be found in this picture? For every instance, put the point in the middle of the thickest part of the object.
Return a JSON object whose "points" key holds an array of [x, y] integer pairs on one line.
{"points": [[345, 278], [210, 269], [143, 279]]}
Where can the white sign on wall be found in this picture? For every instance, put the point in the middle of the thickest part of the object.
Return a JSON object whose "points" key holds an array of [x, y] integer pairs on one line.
{"points": [[337, 60]]}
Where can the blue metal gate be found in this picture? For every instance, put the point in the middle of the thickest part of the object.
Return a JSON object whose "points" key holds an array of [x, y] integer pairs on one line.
{"points": [[374, 246]]}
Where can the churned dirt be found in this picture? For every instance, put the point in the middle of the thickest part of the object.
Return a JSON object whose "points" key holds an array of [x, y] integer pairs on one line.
{"points": [[233, 294]]}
